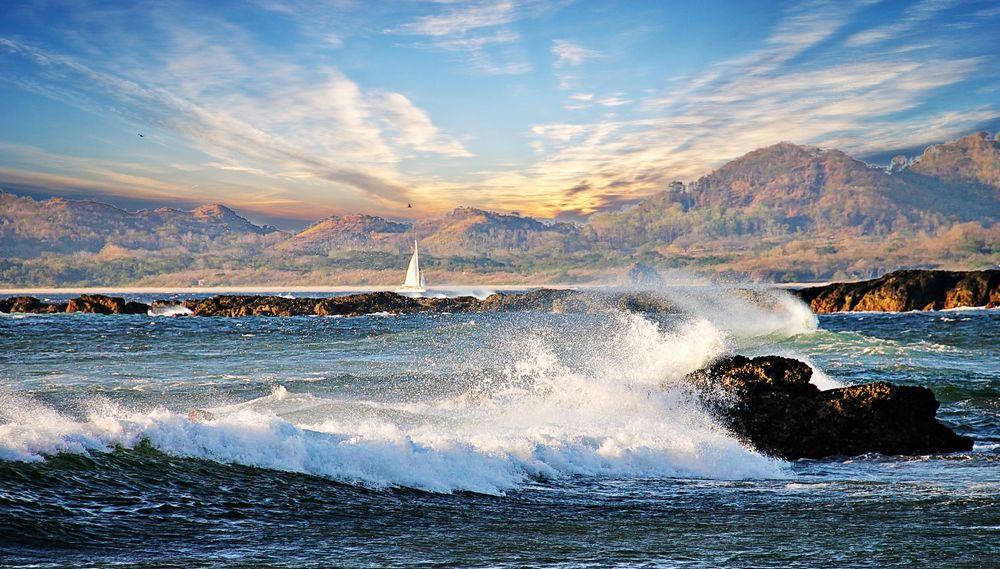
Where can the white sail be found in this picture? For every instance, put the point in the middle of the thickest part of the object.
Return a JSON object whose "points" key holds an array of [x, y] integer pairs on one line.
{"points": [[414, 278]]}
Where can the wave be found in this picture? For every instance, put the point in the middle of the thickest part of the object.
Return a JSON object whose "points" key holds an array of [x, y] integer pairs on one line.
{"points": [[169, 310], [747, 314], [603, 398]]}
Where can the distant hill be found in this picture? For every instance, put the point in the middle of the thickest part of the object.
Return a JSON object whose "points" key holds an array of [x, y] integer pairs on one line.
{"points": [[463, 231], [347, 232], [784, 212], [786, 189], [29, 228], [974, 159], [471, 231]]}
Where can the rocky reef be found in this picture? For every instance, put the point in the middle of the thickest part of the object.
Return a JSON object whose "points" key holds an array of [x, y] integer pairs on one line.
{"points": [[769, 402], [902, 291], [899, 291], [543, 300]]}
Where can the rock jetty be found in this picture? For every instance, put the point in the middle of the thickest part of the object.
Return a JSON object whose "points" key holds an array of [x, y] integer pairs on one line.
{"points": [[902, 291], [769, 402]]}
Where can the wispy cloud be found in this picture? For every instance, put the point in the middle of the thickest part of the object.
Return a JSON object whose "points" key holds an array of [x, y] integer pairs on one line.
{"points": [[572, 54], [910, 21], [228, 112], [461, 19], [324, 128], [615, 100], [828, 97], [479, 31]]}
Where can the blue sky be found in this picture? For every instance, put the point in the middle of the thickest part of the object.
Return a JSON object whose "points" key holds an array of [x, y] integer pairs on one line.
{"points": [[293, 111]]}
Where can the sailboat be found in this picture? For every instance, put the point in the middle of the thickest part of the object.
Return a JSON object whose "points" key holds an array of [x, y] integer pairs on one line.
{"points": [[414, 278]]}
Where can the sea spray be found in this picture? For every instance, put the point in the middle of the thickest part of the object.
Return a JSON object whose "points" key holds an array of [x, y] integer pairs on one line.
{"points": [[578, 396]]}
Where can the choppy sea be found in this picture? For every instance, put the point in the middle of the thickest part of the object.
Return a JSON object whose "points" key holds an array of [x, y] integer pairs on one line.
{"points": [[475, 440]]}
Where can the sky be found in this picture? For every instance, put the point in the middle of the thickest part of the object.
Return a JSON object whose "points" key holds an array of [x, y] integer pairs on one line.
{"points": [[289, 112]]}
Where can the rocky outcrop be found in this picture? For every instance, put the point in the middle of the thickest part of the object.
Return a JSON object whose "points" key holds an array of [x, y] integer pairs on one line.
{"points": [[769, 402], [29, 305], [643, 276], [902, 291], [100, 304], [90, 303], [541, 300], [250, 305]]}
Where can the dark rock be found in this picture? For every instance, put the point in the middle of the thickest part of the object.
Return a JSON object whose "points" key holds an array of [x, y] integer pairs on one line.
{"points": [[369, 303], [133, 307], [542, 300], [23, 304], [568, 301], [30, 305], [902, 291], [250, 305], [644, 276], [770, 403], [100, 304], [160, 307]]}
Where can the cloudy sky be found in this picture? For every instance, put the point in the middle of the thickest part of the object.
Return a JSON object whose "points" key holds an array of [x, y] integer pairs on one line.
{"points": [[292, 111]]}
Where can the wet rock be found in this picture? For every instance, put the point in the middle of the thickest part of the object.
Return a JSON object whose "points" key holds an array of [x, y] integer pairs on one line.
{"points": [[30, 305], [644, 276], [100, 304], [542, 300], [769, 402], [902, 291], [22, 304], [200, 416], [568, 301], [369, 303], [250, 305]]}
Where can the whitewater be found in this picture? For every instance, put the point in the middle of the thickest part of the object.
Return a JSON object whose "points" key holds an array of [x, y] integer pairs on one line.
{"points": [[577, 411]]}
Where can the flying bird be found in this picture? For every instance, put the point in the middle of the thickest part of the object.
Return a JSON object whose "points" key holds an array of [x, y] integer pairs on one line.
{"points": [[409, 206], [140, 135]]}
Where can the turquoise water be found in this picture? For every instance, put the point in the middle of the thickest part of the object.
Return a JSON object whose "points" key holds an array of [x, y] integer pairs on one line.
{"points": [[506, 440]]}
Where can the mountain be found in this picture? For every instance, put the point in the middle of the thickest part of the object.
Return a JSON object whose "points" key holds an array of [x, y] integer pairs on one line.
{"points": [[784, 212], [474, 232], [29, 228], [969, 162], [346, 233], [786, 189], [464, 231]]}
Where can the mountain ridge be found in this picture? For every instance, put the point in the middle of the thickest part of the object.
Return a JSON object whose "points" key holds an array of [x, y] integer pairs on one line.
{"points": [[785, 197]]}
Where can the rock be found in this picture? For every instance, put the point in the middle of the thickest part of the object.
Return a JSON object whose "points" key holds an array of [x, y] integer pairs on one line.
{"points": [[370, 303], [168, 308], [541, 300], [644, 276], [133, 307], [200, 416], [902, 291], [769, 402], [23, 304], [100, 304], [250, 305], [567, 301], [30, 305]]}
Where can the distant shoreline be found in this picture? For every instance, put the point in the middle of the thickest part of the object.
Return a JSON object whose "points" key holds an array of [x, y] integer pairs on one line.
{"points": [[259, 289], [262, 289]]}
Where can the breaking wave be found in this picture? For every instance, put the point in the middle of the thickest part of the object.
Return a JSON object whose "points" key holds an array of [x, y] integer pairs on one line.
{"points": [[543, 402]]}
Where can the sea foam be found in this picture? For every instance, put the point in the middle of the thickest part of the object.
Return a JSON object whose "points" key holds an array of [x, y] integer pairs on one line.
{"points": [[545, 402]]}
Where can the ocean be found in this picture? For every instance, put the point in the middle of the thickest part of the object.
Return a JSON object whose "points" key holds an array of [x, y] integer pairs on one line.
{"points": [[475, 440]]}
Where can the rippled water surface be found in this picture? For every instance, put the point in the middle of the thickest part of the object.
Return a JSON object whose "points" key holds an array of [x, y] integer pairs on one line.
{"points": [[474, 440]]}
